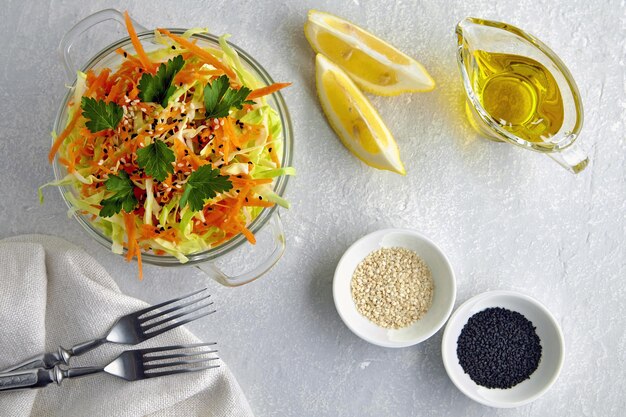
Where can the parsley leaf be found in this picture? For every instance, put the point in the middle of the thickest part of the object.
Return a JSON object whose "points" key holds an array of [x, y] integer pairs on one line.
{"points": [[158, 88], [204, 183], [101, 115], [156, 159], [219, 97], [124, 197]]}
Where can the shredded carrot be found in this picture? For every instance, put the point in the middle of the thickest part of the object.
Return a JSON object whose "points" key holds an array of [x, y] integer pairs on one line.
{"points": [[258, 203], [98, 82], [132, 246], [59, 140], [263, 91], [129, 223], [139, 262], [229, 131], [141, 54], [131, 59], [252, 181], [199, 52], [248, 234]]}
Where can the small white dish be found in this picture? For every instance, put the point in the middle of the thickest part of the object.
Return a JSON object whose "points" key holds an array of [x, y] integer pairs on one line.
{"points": [[547, 329], [443, 295]]}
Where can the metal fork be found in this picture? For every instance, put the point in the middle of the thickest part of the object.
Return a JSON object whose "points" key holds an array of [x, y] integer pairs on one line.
{"points": [[130, 329], [131, 365]]}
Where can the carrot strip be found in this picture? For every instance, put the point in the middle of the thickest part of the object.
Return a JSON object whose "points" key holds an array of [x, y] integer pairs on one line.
{"points": [[129, 223], [59, 140], [145, 61], [251, 181], [263, 91], [129, 57], [139, 262], [98, 82], [229, 131], [248, 234], [206, 55], [258, 203], [133, 246]]}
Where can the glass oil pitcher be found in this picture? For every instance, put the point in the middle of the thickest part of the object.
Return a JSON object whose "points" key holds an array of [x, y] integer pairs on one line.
{"points": [[519, 91]]}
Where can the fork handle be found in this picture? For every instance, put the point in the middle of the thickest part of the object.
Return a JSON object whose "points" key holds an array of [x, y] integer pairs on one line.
{"points": [[29, 379], [43, 360], [61, 357]]}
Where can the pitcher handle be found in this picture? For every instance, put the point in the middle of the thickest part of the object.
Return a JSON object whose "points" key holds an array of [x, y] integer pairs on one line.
{"points": [[87, 23], [572, 158], [278, 236]]}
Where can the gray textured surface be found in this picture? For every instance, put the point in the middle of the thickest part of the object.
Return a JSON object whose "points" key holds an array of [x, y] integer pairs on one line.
{"points": [[508, 219]]}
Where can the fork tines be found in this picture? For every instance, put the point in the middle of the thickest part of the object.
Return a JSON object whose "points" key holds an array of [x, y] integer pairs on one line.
{"points": [[151, 364], [180, 311]]}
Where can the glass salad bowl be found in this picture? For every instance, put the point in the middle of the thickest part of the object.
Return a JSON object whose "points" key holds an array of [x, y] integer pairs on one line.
{"points": [[268, 219]]}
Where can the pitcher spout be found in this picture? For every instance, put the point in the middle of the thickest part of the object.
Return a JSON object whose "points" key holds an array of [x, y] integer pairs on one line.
{"points": [[572, 158]]}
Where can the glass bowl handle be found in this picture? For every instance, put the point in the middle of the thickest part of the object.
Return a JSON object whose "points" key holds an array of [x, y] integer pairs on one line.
{"points": [[278, 235], [87, 23]]}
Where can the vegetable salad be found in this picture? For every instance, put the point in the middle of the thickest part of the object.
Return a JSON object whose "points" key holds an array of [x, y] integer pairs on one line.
{"points": [[174, 152]]}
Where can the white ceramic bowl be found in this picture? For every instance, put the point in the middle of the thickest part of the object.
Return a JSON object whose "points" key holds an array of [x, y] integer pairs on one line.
{"points": [[547, 329], [443, 296]]}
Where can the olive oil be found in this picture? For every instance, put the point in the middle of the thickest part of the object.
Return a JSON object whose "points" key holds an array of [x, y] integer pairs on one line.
{"points": [[519, 93]]}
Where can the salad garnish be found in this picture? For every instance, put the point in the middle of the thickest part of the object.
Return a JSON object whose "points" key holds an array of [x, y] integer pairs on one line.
{"points": [[123, 195], [156, 160], [158, 88], [100, 115], [219, 97]]}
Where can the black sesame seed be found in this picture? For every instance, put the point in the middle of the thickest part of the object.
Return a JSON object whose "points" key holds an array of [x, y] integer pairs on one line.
{"points": [[498, 348], [260, 197], [173, 47], [125, 54], [270, 149]]}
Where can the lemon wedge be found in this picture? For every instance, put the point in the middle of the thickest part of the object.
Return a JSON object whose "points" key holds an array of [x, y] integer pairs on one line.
{"points": [[373, 64], [354, 119]]}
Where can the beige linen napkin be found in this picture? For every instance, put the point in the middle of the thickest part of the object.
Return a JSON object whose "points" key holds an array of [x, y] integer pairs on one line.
{"points": [[52, 293]]}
